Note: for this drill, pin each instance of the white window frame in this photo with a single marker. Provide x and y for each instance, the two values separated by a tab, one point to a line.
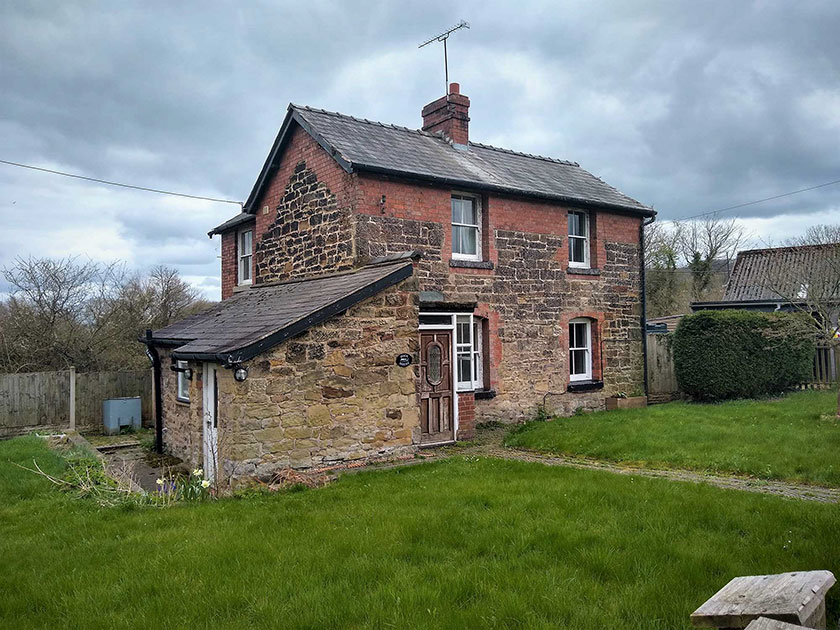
477	226
576	263
478	354
182	393
240	257
586	376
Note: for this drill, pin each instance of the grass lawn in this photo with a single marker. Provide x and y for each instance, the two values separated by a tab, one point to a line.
458	543
772	439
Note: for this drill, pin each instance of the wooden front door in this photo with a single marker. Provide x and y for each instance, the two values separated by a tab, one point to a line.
436	421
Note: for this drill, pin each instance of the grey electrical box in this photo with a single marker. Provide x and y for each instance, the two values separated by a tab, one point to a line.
121	412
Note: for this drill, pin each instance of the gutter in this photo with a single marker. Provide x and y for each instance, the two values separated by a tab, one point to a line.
154	357
644	298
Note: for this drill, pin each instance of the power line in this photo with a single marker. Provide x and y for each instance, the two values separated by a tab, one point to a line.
105	181
752	203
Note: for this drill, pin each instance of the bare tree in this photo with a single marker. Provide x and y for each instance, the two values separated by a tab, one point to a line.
662	282
703	243
90	315
806	275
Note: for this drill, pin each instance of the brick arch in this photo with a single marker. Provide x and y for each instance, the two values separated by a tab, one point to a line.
597	328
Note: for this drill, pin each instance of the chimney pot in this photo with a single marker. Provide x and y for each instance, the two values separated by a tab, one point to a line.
450	115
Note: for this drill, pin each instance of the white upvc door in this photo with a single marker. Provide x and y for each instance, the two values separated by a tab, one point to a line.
211	421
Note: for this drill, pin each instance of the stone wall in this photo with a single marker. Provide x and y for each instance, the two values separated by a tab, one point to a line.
310	234
182	435
330	395
526	290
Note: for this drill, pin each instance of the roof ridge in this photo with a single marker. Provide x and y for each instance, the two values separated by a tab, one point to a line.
375	123
523	154
786	248
429	134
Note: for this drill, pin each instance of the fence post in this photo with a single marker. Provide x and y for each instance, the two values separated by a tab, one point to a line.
72	398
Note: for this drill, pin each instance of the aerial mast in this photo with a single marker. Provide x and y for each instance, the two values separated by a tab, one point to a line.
442	38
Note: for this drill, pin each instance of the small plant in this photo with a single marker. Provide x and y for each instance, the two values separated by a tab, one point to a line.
620	395
174	488
542	414
579	411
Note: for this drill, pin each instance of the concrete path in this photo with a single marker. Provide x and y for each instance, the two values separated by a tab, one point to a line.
488	443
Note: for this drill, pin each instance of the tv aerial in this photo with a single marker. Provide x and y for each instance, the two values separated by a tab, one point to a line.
442	38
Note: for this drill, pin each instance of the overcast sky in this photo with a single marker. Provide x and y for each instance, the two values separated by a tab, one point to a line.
686	106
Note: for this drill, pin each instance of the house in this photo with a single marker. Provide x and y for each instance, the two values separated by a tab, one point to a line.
387	288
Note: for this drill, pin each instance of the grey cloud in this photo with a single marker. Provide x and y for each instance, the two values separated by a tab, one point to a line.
689	106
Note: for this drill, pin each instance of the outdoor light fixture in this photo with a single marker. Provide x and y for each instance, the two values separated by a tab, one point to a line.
186	371
240	374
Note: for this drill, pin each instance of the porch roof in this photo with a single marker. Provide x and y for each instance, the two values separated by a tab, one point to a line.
263	316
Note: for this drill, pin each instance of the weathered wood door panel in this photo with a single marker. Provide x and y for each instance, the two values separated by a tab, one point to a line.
436	395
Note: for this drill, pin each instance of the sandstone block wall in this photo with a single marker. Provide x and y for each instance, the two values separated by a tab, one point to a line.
528	295
182	430
330	395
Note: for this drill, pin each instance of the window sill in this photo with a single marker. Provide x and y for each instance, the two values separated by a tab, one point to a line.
183	401
471	264
584	271
485	394
584	386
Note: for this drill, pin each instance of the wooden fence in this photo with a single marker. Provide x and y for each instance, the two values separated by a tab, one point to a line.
662	378
55	401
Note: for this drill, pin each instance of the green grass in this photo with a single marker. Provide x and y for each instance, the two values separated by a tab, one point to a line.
794	438
457	543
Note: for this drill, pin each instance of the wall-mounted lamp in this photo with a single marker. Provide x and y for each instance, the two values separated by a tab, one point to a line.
240	374
186	371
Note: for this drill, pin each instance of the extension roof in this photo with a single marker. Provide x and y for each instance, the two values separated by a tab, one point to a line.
360	145
263	316
780	272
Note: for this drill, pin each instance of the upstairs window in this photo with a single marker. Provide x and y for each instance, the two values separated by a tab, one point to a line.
245	253
183	393
466	227
578	238
580	350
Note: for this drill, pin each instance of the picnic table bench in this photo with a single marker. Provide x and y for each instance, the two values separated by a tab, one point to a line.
796	598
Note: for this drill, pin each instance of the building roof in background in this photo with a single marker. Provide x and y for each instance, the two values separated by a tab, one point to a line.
263	316
364	145
783	272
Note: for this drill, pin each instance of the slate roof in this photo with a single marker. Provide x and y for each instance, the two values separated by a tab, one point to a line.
780	272
364	145
260	317
239	219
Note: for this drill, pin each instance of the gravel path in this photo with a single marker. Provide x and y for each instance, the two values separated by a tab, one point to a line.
488	443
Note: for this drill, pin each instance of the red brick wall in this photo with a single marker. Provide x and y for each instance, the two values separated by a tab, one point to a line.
229	276
466	416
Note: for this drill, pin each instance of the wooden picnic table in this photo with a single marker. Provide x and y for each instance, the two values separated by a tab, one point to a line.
796	598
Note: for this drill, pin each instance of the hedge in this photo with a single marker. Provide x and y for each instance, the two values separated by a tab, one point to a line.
742	354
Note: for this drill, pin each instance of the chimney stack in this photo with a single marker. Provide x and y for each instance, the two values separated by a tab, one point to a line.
449	114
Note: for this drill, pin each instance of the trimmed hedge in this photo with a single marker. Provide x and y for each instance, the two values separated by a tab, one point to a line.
742	354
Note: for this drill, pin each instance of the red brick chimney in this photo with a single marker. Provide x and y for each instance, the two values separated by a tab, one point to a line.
449	114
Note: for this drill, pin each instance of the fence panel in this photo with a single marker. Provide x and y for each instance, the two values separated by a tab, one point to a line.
662	377
41	400
94	387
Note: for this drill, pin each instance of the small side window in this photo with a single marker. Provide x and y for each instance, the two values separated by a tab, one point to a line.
183	393
245	248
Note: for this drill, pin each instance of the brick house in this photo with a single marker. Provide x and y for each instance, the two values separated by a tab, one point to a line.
505	280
